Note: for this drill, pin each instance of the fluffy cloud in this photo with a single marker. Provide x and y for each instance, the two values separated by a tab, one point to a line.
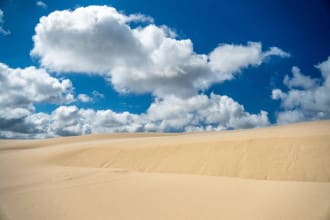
84	98
20	89
136	58
307	98
299	80
197	113
201	112
228	59
2	30
70	120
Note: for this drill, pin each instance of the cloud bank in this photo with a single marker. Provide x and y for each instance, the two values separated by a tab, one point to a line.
135	56
172	114
20	89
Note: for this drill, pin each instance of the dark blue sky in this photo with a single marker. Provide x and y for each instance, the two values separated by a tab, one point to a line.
301	28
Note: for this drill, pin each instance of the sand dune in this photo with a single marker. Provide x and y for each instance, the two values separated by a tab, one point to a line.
281	172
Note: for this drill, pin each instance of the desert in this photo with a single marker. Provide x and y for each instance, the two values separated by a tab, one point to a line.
279	172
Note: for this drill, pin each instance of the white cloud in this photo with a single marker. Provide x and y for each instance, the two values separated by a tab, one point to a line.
66	120
324	68
84	98
41	4
278	94
275	51
299	80
2	30
201	112
170	114
69	120
228	59
307	98
290	116
143	58
20	89
138	58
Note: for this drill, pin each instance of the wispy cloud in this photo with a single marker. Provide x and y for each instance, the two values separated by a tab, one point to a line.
41	4
2	30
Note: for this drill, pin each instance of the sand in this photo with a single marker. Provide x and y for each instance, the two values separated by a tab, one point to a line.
274	173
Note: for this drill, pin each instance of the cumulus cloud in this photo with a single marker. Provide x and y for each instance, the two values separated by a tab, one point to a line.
197	113
136	58
228	59
201	112
20	89
70	120
41	4
299	80
2	30
33	125
290	116
84	98
306	98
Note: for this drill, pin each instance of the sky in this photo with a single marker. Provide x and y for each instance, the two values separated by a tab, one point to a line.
80	67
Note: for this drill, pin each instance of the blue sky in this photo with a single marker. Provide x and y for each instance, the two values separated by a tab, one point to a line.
299	30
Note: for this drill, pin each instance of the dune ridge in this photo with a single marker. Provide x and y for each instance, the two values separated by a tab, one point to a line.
251	155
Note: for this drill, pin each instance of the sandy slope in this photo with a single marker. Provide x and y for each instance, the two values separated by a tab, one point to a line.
284	174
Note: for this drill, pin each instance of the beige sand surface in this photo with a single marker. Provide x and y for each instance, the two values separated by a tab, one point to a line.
274	173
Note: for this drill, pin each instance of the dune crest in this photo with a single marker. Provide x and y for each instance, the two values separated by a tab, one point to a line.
300	153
